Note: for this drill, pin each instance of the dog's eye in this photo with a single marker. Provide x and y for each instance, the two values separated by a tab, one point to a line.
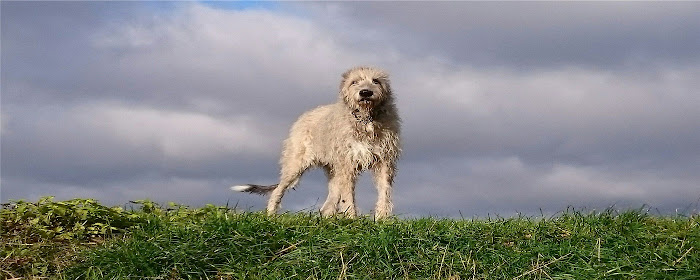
375	81
353	83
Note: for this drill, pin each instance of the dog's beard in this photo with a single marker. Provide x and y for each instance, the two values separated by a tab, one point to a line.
363	114
364	117
366	105
363	108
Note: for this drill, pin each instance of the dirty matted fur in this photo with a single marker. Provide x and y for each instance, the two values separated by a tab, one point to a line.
359	132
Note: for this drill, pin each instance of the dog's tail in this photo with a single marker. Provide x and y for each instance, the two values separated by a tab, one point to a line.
256	189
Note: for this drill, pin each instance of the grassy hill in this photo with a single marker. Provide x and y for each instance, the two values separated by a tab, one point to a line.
85	240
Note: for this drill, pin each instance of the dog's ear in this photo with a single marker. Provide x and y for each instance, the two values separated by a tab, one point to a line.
387	85
383	77
345	78
346	74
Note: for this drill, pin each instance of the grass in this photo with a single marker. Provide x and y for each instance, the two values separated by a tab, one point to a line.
220	243
43	238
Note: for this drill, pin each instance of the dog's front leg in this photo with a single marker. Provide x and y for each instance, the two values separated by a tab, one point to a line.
330	207
341	193
383	179
347	200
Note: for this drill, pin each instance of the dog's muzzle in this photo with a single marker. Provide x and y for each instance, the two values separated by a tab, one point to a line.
365	93
366	97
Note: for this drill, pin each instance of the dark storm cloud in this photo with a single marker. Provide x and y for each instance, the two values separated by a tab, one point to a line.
534	34
507	107
47	45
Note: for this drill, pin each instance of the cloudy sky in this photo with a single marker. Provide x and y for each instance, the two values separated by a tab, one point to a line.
507	107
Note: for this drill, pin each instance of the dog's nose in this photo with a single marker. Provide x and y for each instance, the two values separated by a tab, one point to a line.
366	93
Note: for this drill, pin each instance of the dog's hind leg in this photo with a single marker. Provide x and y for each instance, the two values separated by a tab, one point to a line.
287	181
292	169
273	204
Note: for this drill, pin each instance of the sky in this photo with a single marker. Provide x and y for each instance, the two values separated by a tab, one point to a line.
508	108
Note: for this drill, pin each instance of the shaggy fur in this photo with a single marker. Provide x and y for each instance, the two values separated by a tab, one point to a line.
359	132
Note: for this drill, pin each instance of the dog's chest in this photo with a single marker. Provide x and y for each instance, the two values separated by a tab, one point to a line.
363	153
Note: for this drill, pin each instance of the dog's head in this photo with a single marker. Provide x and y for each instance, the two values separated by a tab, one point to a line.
365	88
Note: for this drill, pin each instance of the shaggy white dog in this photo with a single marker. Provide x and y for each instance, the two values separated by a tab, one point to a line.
357	133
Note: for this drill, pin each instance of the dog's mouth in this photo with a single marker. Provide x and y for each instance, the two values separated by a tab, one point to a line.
365	102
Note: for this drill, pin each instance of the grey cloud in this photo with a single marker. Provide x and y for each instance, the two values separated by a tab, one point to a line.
508	186
82	146
570	115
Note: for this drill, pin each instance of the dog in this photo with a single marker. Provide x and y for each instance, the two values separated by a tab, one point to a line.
361	131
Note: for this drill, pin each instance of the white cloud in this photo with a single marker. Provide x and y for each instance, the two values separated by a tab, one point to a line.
180	135
225	45
577	181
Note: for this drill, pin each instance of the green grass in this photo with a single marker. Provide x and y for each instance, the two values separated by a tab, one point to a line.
43	238
219	243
